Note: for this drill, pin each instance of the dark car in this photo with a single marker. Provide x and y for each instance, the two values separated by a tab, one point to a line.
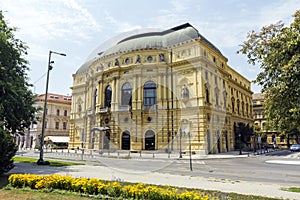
295	147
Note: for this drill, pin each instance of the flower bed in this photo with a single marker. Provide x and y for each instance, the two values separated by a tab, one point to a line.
95	186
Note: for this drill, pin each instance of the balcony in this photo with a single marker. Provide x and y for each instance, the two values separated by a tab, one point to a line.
153	107
124	108
104	110
90	112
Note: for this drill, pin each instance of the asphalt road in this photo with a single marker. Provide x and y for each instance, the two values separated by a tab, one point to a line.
253	168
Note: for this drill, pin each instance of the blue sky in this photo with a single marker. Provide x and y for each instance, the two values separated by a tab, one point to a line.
77	27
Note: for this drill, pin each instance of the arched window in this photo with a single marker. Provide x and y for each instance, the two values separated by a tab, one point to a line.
238	106
149	93
264	126
217	96
243	108
224	99
95	98
206	94
126	94
107	97
57	112
232	104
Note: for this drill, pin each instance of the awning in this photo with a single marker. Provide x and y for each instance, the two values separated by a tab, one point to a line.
57	139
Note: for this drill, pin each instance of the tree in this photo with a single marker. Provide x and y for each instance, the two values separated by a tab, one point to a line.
276	48
16	98
7	150
242	133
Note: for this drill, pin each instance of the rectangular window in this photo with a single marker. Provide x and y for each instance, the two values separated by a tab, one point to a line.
66	113
45	124
57	112
65	125
56	125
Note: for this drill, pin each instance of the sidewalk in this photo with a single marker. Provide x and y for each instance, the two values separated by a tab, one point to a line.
106	173
78	155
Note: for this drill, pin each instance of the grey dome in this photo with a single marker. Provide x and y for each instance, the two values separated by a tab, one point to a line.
150	40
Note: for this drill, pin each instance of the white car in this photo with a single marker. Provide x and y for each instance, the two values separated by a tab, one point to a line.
295	147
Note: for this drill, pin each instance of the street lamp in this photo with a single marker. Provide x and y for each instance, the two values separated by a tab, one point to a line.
191	166
240	144
180	138
41	159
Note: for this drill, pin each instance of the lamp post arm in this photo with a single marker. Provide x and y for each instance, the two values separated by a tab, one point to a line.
49	68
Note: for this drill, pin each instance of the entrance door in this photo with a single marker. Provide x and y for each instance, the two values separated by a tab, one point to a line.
125	141
149	140
208	141
106	140
226	138
219	145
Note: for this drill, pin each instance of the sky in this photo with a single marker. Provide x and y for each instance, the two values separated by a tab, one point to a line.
78	27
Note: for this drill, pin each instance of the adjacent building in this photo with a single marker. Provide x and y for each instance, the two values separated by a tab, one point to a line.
166	90
57	122
269	136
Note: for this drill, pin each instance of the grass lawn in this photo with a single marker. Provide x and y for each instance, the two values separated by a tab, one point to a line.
13	194
27	194
292	189
54	163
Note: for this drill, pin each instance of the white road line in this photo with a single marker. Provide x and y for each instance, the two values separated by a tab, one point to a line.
284	162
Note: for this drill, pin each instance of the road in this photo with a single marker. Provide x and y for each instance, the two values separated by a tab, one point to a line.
253	168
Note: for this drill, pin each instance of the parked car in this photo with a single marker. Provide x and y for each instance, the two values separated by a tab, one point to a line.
295	147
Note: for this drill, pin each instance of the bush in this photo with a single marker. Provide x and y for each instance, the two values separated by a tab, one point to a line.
7	150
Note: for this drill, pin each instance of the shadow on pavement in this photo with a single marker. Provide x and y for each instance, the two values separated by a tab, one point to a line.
3	181
32	168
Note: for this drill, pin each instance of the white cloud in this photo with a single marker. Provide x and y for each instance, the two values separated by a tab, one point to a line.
178	6
173	16
279	11
48	20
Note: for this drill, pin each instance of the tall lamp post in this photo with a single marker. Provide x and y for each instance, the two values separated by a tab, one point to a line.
41	159
180	138
240	143
191	166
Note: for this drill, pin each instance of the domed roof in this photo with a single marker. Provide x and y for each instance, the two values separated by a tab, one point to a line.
150	40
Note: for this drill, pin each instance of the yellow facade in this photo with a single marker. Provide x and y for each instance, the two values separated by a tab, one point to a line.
152	91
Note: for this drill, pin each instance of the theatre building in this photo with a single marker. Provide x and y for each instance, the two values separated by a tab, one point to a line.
163	90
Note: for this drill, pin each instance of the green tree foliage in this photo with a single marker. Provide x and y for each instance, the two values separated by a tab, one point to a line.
16	99
276	48
7	150
242	132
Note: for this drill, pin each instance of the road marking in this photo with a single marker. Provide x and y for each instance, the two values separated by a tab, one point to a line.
284	162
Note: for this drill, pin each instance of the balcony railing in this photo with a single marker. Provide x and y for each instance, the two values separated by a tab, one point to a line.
104	110
150	107
90	112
